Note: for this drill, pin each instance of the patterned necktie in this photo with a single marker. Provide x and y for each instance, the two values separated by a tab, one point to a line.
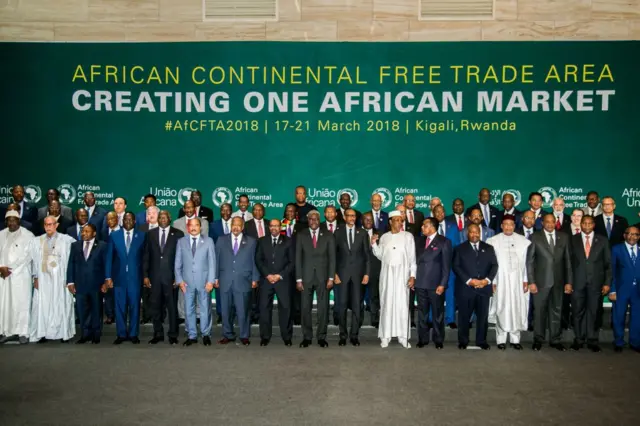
410	216
558	223
551	244
87	245
528	234
128	242
226	228
163	240
331	228
587	246
314	239
288	230
350	238
633	256
377	217
608	227
426	244
487	218
475	248
193	246
460	226
441	229
260	231
235	246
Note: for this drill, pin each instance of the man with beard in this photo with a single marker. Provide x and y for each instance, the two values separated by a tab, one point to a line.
190	213
593	204
345	203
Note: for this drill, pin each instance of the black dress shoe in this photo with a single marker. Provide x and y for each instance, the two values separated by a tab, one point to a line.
64	340
296	321
485	346
536	347
429	324
375	324
462	346
156	340
530	328
617	349
336	320
287	342
245	342
594	348
421	345
190	342
108	321
135	340
264	342
635	348
502	347
323	343
95	341
225	341
558	346
342	342
452	325
439	346
173	340
43	340
206	340
82	341
516	346
355	342
219	319
305	343
119	340
413	324
576	346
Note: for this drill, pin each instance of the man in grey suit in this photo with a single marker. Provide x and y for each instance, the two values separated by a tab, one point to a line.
65	211
315	271
550	275
594	208
237	274
190	213
195	269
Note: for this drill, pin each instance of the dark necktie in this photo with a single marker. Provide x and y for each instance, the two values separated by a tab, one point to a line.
350	238
128	242
163	240
275	241
608	227
551	243
475	248
528	234
87	246
193	246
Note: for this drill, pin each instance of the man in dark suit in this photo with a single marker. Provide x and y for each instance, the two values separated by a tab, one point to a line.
275	260
124	275
609	224
380	217
54	210
202	212
220	227
535	205
158	271
54	195
86	279
352	274
141	217
475	265
28	212
151	219
375	265
508	203
591	263
433	257
25	224
96	213
345	203
315	271
458	217
625	289
412	228
412	216
489	212
75	230
550	276
236	274
593	207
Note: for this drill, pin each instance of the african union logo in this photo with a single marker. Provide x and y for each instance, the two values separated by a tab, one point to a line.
32	193
221	195
386	196
548	195
184	195
517	197
67	193
352	193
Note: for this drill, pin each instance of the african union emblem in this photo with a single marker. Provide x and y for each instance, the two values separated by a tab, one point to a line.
67	193
221	195
352	193
517	197
32	193
184	195
548	195
386	196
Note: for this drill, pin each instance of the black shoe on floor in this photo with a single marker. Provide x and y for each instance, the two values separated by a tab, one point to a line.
558	346
617	349
429	325
575	346
245	342
439	346
287	342
485	346
206	340
82	340
516	346
64	340
95	341
594	348
190	342
156	340
375	324
355	342
119	340
502	347
421	344
135	340
452	325
305	343
173	340
323	343
264	342
43	340
461	346
342	342
536	347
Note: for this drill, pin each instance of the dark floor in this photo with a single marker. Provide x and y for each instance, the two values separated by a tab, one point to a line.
110	385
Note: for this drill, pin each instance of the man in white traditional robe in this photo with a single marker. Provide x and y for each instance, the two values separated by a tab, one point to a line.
396	251
15	280
510	297
52	313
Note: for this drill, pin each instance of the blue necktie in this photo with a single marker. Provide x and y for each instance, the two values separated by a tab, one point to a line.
128	241
608	227
193	247
633	256
226	228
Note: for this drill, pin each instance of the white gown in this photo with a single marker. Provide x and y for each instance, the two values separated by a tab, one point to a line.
398	256
510	301
15	290
52	313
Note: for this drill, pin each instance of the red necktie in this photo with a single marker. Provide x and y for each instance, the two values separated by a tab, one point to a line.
577	231
410	216
558	224
587	246
260	231
460	226
315	240
330	228
428	242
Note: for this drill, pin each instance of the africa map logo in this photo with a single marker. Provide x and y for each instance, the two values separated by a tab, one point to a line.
32	193
352	193
184	195
67	193
548	195
222	195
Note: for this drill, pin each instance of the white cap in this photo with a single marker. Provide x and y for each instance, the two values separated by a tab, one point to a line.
395	213
12	213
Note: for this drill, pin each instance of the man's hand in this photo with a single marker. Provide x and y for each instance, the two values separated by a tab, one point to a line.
272	278
336	279
35	283
525	286
72	288
440	290
216	284
568	289
299	286
5	271
183	287
605	289
147	283
533	288
254	284
365	280
494	288
103	288
612	297
329	284
208	287
109	282
374	239
411	283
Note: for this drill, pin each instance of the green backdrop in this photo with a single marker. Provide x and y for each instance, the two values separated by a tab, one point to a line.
561	117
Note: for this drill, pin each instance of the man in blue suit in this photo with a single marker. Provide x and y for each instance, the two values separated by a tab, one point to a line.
218	228
75	230
96	213
141	217
625	289
85	279
535	205
195	270
124	275
450	231
237	274
380	218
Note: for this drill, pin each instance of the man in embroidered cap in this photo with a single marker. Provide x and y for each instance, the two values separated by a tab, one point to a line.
510	290
396	250
15	280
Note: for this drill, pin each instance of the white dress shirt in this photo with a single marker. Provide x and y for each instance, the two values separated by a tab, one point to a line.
333	227
536	213
559	217
153	226
228	222
247	215
584	239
